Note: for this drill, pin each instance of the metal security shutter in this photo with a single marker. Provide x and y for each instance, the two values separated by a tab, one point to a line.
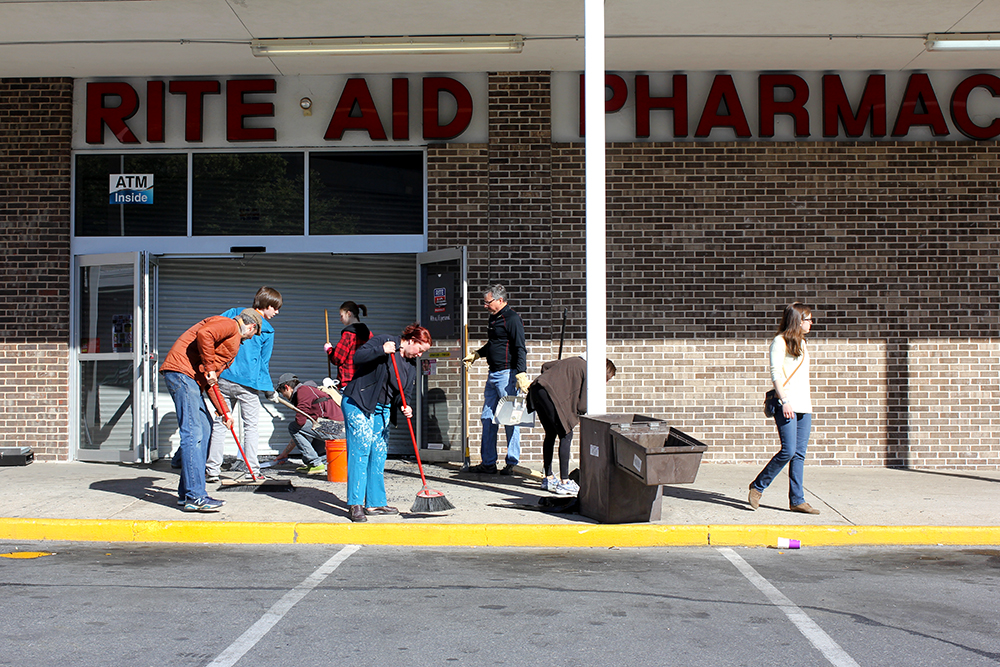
191	289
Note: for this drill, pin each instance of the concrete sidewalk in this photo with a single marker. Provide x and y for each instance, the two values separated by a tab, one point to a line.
111	502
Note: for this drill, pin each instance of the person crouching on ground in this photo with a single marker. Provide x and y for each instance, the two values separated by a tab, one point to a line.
192	366
306	442
367	405
559	396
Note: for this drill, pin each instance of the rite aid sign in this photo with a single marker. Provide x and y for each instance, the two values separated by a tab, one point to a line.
382	110
374	110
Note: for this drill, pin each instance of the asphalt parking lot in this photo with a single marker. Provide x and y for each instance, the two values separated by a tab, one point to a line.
166	604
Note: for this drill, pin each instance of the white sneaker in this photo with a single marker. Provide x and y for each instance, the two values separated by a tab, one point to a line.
567	488
550	483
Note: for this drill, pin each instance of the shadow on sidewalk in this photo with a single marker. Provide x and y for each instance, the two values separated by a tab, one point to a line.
705	497
141	488
959	475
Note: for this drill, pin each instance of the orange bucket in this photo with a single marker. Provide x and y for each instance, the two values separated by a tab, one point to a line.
336	460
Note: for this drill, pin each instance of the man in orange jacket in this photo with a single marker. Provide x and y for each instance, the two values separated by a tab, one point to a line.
192	366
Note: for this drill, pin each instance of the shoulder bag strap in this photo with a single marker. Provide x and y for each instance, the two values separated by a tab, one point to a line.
796	369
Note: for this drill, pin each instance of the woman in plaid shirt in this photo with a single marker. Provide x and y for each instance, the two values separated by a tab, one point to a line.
354	335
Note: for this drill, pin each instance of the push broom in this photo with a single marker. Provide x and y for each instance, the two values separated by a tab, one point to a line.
427	500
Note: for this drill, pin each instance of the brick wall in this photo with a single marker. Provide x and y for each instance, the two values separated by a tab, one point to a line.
35	129
894	244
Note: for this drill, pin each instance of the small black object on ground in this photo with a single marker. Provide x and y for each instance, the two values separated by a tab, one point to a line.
262	486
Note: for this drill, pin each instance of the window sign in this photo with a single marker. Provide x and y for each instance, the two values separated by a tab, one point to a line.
130	188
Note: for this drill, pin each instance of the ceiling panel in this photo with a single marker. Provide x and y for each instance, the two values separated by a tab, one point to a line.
210	37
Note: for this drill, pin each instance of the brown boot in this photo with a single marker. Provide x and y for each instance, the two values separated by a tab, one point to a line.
754	497
357	513
805	508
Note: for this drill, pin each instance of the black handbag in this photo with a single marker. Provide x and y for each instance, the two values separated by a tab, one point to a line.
771	404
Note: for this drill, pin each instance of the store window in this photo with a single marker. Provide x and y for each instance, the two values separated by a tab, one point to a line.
251	194
164	211
240	194
366	193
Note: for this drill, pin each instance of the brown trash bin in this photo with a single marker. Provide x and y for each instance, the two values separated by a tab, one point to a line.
624	460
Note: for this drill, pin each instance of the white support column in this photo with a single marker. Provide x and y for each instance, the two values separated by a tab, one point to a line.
596	206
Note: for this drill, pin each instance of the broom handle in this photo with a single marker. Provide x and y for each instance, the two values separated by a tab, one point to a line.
308	416
413	436
562	332
225	416
329	366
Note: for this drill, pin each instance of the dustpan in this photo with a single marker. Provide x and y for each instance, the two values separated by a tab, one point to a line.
513	411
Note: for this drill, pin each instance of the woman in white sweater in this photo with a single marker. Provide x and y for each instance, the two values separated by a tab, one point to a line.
789	362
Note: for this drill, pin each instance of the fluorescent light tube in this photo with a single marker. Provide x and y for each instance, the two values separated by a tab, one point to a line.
346	46
968	41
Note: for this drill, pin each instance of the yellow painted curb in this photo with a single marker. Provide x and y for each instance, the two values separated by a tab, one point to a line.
837	536
488	535
81	530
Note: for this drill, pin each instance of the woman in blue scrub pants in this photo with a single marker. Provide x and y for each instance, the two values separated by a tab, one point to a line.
367	405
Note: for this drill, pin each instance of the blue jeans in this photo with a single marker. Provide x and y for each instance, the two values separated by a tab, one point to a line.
367	450
306	441
794	435
195	425
498	385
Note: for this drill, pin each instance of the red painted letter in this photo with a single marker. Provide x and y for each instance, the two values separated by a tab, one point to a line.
919	92
195	92
723	92
154	111
355	93
677	103
401	109
114	117
237	110
960	111
796	107
837	108
619	93
433	87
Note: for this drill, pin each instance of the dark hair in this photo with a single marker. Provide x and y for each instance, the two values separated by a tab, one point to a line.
791	327
291	384
267	296
611	368
417	333
354	308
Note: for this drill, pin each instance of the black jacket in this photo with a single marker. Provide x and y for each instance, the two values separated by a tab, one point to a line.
505	345
374	378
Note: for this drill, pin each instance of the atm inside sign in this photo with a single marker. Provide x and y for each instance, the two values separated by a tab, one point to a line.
130	188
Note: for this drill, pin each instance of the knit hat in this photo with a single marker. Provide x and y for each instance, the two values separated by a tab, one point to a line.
251	315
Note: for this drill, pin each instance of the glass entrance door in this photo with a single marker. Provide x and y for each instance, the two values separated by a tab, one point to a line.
442	298
115	365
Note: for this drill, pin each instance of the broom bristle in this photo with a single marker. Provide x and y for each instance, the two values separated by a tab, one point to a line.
429	500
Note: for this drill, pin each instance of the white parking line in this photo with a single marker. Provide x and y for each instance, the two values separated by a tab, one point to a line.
830	649
249	639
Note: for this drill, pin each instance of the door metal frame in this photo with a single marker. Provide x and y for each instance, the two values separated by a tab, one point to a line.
142	357
443	255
